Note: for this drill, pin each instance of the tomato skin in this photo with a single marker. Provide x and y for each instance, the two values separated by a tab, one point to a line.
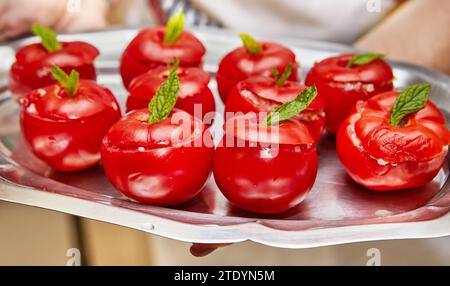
266	95
32	69
239	65
254	179
147	51
386	158
249	181
151	172
194	90
62	134
342	87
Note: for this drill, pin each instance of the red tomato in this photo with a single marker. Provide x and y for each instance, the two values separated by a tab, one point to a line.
147	51
342	87
194	90
240	64
165	163
265	169
32	69
262	94
382	157
66	131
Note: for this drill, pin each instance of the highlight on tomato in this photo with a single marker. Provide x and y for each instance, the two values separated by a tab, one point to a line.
160	155
156	47
253	59
267	164
64	123
264	94
394	140
194	96
345	79
33	65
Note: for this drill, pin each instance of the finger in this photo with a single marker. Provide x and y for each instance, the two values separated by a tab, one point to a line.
201	250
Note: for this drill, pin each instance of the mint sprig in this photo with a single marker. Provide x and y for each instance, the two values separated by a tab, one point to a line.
251	45
174	28
280	80
291	109
363	59
68	82
410	100
48	37
165	98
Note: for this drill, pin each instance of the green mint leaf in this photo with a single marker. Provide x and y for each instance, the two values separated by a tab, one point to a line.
275	74
48	37
363	59
284	76
68	82
410	100
290	109
165	98
174	28
251	45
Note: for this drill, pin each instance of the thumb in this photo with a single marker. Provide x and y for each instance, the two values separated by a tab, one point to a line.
201	250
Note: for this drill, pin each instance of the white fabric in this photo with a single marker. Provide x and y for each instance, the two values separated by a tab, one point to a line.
332	20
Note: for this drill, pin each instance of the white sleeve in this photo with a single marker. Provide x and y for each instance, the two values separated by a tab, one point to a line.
337	21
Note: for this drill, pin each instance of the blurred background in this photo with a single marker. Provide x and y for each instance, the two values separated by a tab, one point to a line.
414	31
31	236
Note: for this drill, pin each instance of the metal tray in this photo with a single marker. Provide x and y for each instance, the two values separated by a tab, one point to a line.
337	211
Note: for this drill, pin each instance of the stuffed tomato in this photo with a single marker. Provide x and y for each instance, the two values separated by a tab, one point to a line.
253	59
264	94
194	96
267	164
160	155
158	46
394	140
343	80
32	68
64	124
